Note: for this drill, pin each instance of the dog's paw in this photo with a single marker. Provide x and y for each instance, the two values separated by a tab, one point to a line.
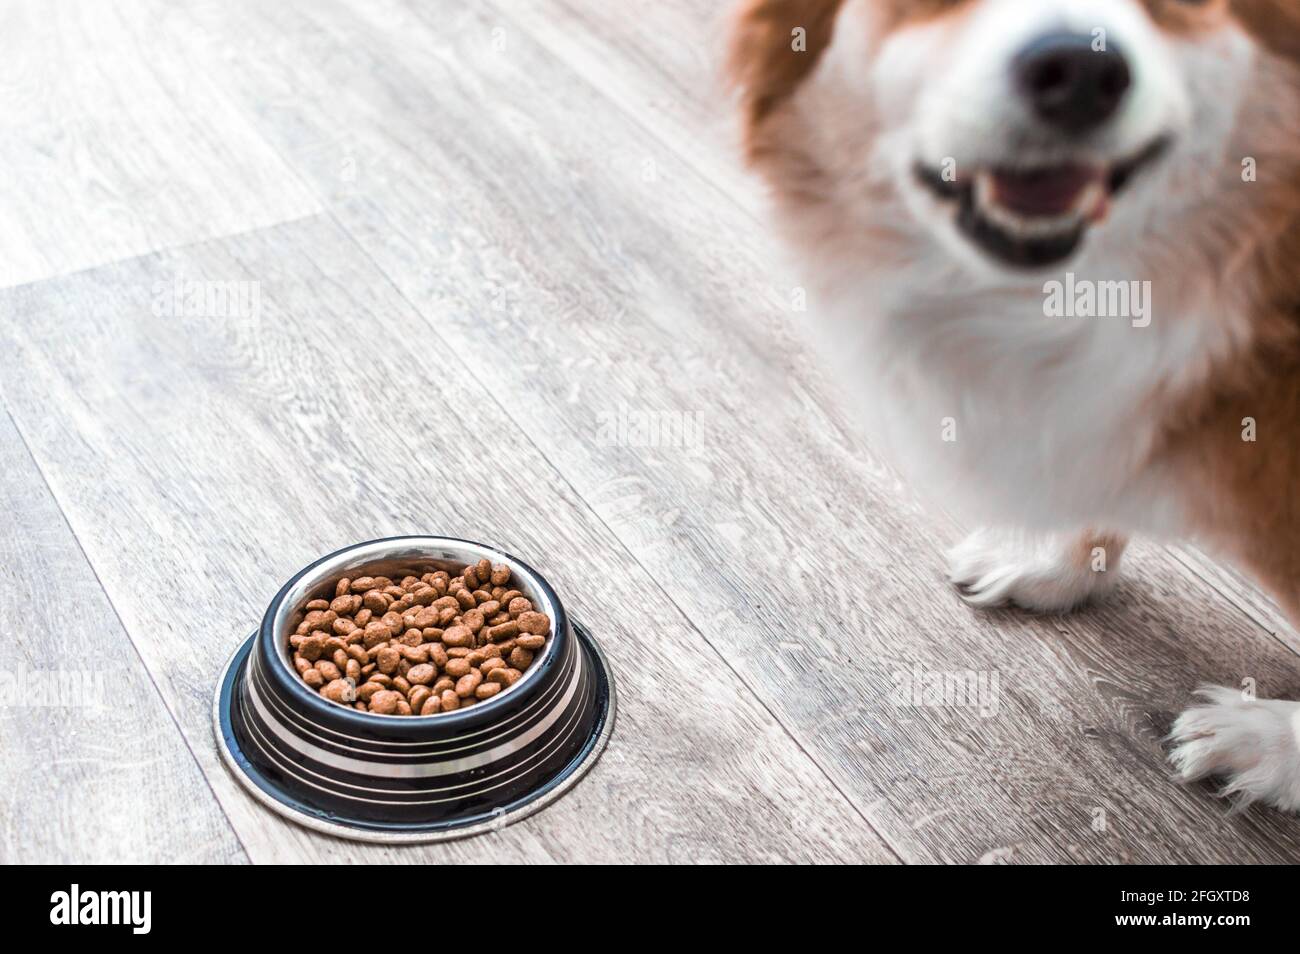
1253	744
1047	574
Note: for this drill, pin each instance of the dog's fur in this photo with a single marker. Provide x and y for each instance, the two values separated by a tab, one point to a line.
1065	435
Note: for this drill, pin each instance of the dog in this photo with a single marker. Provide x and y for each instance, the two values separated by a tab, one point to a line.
1053	248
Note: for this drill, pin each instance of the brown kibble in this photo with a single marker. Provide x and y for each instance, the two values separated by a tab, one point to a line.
458	636
432	643
505	676
417	696
339	690
467	683
376	633
329	672
504	631
388	659
312	648
376	602
537	623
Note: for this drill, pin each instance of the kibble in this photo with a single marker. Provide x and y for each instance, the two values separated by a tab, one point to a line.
427	644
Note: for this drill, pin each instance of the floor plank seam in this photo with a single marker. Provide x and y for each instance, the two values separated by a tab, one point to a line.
40	471
1237	603
160	250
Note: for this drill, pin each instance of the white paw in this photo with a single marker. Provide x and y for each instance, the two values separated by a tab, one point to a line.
1254	744
1046	574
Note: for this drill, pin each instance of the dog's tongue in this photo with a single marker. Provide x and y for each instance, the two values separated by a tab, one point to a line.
1042	192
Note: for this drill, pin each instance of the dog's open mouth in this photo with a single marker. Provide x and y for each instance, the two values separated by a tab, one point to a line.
1037	216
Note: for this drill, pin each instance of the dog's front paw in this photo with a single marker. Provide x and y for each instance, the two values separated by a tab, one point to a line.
1254	744
1047	574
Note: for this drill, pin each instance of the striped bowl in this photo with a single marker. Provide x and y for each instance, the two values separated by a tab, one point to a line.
410	778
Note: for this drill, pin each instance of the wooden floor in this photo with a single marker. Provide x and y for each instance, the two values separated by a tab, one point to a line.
509	225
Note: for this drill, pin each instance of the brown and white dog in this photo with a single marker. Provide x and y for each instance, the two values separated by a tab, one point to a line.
973	189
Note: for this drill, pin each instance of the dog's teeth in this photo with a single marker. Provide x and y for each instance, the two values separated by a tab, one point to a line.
1094	204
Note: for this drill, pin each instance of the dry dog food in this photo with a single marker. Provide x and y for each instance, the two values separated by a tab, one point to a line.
421	645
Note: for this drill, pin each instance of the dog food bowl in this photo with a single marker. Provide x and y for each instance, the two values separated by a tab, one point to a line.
390	779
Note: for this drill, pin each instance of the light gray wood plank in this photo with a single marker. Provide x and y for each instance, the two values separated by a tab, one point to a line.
575	284
663	64
1240	590
94	769
230	450
112	144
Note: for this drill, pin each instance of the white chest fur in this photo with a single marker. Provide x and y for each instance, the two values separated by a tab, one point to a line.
1010	415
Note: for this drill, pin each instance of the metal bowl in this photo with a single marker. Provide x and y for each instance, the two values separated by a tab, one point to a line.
411	778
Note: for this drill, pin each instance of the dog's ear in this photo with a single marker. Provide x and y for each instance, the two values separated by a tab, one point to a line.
774	46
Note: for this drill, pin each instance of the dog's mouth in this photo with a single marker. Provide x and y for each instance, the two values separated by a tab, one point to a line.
1035	216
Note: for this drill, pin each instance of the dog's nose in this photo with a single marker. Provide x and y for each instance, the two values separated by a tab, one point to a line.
1071	85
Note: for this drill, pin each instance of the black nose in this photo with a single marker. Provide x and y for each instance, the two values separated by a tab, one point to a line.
1071	85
